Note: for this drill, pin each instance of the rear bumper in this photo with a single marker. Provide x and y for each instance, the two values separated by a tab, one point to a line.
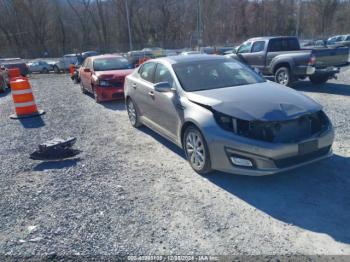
324	71
109	93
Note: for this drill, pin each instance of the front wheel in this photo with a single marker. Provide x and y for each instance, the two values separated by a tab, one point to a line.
133	113
196	150
283	76
97	99
318	80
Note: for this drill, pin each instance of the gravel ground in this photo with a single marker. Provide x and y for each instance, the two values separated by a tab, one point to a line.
131	192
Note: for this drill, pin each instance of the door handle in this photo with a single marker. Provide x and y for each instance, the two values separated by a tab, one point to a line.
151	93
134	85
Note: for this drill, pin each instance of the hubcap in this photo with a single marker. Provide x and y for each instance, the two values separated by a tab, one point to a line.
282	78
195	150
131	112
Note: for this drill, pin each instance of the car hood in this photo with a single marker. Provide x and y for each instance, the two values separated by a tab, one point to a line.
112	74
266	101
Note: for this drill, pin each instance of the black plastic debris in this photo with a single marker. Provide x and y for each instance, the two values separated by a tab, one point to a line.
56	148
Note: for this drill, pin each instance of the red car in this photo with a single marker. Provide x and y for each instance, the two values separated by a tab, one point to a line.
103	76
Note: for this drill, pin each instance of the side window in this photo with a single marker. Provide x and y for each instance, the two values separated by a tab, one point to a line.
293	44
275	45
163	75
245	48
147	71
258	46
88	63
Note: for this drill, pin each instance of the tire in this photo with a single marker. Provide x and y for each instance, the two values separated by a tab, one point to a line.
97	100
45	71
197	151
133	113
82	88
3	86
76	79
283	76
318	80
56	69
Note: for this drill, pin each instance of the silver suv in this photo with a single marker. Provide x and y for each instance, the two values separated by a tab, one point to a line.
226	116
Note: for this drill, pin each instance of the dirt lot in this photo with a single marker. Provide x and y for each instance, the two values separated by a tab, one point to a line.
131	192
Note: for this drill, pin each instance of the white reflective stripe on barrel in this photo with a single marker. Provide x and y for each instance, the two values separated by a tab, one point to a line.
22	92
24	104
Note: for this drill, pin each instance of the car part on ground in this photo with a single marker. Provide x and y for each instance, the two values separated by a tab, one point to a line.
56	148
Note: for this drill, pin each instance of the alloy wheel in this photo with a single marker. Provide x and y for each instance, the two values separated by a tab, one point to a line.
131	112
195	150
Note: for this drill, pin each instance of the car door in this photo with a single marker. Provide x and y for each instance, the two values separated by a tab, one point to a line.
164	109
253	54
144	90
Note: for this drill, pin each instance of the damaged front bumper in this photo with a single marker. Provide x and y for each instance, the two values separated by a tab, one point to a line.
266	158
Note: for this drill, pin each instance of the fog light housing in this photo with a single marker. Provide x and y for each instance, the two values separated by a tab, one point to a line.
240	161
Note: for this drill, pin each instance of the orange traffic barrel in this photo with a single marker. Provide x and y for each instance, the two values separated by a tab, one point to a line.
71	70
23	99
14	72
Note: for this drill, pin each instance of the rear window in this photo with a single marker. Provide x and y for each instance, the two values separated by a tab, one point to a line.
112	63
283	44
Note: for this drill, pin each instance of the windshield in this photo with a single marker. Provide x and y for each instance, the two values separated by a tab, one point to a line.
206	75
112	63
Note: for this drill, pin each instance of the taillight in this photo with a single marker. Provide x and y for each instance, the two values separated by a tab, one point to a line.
312	60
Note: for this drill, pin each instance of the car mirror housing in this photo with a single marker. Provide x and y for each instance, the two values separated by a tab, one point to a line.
162	87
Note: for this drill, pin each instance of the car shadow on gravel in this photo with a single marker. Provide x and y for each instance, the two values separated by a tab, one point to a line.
315	197
114	105
32	122
165	142
329	88
5	93
60	164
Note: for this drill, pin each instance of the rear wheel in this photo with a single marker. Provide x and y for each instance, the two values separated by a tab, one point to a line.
56	69
133	113
283	76
318	80
196	150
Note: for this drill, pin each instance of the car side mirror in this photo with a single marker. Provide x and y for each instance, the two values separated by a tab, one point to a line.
87	70
162	87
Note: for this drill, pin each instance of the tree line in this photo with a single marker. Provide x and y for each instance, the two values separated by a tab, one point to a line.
34	28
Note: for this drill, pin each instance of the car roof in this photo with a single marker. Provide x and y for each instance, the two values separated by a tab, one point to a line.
105	56
189	58
263	38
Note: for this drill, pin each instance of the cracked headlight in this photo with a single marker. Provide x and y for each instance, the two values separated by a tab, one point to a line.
226	122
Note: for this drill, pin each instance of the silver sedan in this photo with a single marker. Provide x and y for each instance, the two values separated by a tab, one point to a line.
227	117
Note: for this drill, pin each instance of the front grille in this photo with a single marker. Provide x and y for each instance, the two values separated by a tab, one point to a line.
118	82
290	131
294	160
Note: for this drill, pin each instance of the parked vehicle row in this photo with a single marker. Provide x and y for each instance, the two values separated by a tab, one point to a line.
9	63
282	58
224	115
339	40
